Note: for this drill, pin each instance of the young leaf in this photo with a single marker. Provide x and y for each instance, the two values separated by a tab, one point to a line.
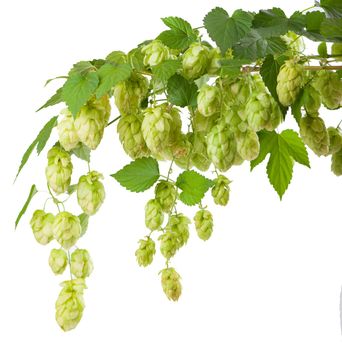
139	175
82	67
53	100
177	23
84	221
175	39
181	92
193	186
81	151
166	69
33	191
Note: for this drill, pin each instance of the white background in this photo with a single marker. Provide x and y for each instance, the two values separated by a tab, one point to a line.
268	279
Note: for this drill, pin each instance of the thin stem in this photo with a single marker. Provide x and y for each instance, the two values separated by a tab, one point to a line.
249	69
114	120
199	27
55	200
338	125
170	170
308	8
69	262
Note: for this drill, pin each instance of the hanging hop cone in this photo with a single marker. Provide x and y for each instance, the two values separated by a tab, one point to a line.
182	151
66	229
154	53
220	190
70	304
154	215
203	124
90	192
248	145
235	119
166	195
289	82
236	92
171	285
199	154
335	140
145	252
58	261
68	137
208	100
81	264
41	224
311	99
195	61
204	224
178	224
214	64
336	163
168	244
59	169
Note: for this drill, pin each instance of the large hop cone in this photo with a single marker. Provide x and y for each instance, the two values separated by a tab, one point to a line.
168	244
195	60
59	169
81	265
166	195
58	261
70	304
90	192
171	285
221	147
68	137
220	190
336	163
263	112
203	124
214	64
66	229
182	150
41	224
204	224
235	118
145	252
311	99
154	53
289	82
335	140
130	93
209	100
91	121
178	224
199	154
154	215
329	85
131	137
314	134
248	145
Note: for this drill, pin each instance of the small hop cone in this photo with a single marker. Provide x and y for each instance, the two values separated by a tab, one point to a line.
154	215
58	261
66	229
214	64
59	169
248	145
220	190
199	154
289	82
178	224
335	140
235	119
166	195
314	134
195	61
70	304
90	192
81	265
145	252
203	124
336	163
41	224
204	224
208	100
182	151
168	244
311	99
154	53
68	137
171	285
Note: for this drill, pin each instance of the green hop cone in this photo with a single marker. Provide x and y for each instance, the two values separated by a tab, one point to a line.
236	92
41	224
311	99
336	50
70	304
154	215
199	154
131	137
220	191
91	121
314	134
58	261
294	42
204	224
203	124
336	163
59	169
145	252
80	264
67	134
214	64
235	118
178	224
335	140
171	285
221	147
195	61
248	145
166	195
155	52
182	150
90	192
289	82
168	244
66	229
208	100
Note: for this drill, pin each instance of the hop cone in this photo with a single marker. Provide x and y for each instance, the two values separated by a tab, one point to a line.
314	134
335	140
204	224
336	163
59	169
145	252
289	82
203	124
168	244
170	281
90	192
221	147
220	190
236	92
214	64
199	154
154	53
41	224
235	119
68	137
58	261
182	151
208	100
154	215
70	304
195	61
131	137
178	224
248	145
66	229
311	99
81	264
294	42
166	195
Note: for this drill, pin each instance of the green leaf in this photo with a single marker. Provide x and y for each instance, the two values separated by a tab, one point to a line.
272	22
297	22
110	75
116	57
332	7
78	89
266	140
296	107
81	151
39	142
33	191
181	92
82	67
139	175
53	100
52	79
225	30
166	69
193	186
332	28
314	20
136	59
232	67
177	23
175	39
84	221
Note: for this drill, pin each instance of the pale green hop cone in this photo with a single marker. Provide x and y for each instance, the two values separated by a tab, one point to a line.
336	163
154	215
199	153
81	264
178	224
171	285
311	99
58	261
41	224
248	145
66	229
203	124
67	134
195	61
235	119
166	195
182	151
168	244
214	64
145	252
154	53
335	140
209	100
204	223
220	191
